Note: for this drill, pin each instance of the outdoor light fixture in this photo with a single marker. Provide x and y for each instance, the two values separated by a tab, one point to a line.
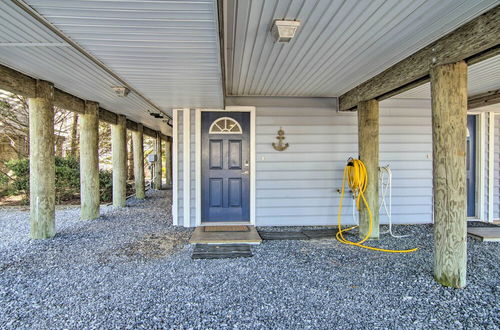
156	115
284	30
121	91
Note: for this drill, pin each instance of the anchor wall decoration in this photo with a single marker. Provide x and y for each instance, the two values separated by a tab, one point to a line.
280	146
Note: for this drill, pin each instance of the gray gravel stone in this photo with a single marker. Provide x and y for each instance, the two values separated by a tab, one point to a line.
132	269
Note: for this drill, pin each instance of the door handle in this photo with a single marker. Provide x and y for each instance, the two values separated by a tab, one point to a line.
245	172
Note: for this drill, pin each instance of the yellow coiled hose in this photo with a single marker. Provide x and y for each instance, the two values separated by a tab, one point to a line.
357	179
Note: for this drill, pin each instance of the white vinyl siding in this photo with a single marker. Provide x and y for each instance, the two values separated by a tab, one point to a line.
299	185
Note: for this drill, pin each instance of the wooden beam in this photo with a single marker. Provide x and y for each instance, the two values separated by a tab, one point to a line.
449	131
16	82
473	41
131	125
108	116
368	137
484	99
149	132
165	137
69	102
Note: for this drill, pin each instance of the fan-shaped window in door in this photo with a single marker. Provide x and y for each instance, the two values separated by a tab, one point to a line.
225	125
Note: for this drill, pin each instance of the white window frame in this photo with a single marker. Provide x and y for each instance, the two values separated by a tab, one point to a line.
225	132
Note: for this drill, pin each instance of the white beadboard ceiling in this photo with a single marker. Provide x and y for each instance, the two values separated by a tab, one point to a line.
483	77
167	50
340	43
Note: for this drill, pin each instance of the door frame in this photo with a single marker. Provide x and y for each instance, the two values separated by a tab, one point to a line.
251	110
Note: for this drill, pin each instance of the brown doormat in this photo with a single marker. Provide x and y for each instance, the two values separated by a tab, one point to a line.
226	228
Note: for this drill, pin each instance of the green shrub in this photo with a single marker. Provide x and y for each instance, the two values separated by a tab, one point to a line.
21	174
67	179
106	185
4	179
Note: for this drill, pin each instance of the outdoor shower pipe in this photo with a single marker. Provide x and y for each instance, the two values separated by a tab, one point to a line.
386	187
357	179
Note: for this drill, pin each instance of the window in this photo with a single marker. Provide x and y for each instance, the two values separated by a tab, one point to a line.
225	125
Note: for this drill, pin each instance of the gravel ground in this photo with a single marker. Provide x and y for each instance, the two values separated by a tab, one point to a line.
132	269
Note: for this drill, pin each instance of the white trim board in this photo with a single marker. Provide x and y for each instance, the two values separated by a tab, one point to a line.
186	166
491	164
252	112
480	164
175	159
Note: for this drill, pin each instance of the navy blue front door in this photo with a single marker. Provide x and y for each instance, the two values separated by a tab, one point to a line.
471	165
225	166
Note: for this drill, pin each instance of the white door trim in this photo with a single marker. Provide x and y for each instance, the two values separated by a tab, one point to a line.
175	159
480	164
186	146
491	164
251	110
480	185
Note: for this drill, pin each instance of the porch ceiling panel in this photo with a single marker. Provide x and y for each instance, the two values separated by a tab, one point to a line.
339	44
483	77
167	50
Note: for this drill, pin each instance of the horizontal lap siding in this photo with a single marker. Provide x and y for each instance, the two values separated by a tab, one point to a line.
408	152
299	185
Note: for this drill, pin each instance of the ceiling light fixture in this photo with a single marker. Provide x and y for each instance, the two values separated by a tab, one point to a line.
284	30
121	91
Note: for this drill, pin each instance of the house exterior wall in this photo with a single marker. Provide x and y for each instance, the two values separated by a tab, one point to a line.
299	185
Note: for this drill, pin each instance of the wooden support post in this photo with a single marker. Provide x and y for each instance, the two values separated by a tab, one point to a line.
89	162
158	163
119	146
368	141
138	148
42	166
449	128
168	162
